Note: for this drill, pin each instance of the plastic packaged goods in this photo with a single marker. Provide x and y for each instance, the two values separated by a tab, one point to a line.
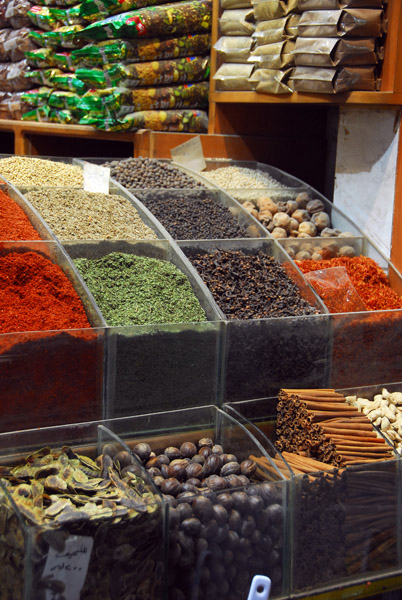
40	58
338	4
229	4
165	20
46	114
265	10
65	36
48	18
122	101
65	61
274	56
3	9
14	43
56	78
234	48
351	22
189	121
12	76
17	13
331	52
37	96
333	81
12	105
188	69
111	51
63	99
271	81
237	22
276	30
95	10
233	76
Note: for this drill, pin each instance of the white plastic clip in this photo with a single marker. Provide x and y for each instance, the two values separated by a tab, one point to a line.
259	588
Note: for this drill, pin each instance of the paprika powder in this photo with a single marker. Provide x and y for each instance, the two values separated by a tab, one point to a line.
14	223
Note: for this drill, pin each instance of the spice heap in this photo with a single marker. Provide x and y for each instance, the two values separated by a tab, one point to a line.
193	216
367	277
250	285
63	494
220	534
25	171
322	425
14	223
80	215
385	412
137	290
237	178
36	295
149	173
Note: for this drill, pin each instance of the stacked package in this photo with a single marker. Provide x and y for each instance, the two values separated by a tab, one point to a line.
147	68
338	46
236	27
14	41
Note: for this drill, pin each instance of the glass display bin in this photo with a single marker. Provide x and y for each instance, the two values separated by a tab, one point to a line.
160	200
223	528
159	366
363	342
263	354
79	517
344	523
52	377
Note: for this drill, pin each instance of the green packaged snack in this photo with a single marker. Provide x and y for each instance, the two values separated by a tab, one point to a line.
63	99
42	76
94	10
191	121
57	2
111	51
164	20
48	18
40	58
190	68
68	82
108	100
49	115
37	96
65	61
65	36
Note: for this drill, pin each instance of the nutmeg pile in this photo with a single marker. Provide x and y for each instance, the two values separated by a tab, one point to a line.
222	530
302	217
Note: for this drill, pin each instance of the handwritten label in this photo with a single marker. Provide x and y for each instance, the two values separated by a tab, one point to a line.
190	154
96	178
69	566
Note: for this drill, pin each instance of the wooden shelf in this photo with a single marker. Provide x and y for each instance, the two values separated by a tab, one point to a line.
371	98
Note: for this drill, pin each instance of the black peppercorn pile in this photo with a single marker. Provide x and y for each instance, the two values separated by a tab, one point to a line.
250	286
222	530
149	173
193	216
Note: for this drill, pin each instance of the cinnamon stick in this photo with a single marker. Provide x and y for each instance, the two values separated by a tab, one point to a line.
355	426
330	406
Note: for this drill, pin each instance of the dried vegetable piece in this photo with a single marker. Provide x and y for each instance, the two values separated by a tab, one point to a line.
111	51
63	494
190	121
190	68
165	20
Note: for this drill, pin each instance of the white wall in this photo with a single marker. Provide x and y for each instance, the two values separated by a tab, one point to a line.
365	169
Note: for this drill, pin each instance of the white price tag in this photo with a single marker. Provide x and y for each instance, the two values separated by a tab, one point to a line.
69	566
190	154
96	178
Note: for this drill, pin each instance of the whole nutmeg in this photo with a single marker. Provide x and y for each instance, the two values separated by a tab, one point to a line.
154	472
275	513
301	215
194	470
188	449
185	497
184	511
308	227
158	480
171	500
240	501
302	199
233	480
233	539
134	469
225	500
225	458
164	469
279	233
244	479
109	450
191	526
235	520
157	461
174	517
248	526
205	451
212	465
143	451
197	458
291	206
217	449
205	442
203	508
220	514
315	206
194	481
172	453
201	545
281	219
268	492
321	220
230	468
248	467
209	530
215	483
171	486
124	459
189	487
256	503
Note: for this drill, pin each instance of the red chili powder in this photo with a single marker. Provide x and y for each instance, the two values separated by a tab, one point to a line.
36	295
14	223
368	278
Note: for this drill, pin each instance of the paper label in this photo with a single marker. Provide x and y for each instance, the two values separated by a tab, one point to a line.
190	154
69	566
96	178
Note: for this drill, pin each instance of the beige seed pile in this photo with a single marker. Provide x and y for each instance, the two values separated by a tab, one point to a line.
241	177
26	171
80	215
